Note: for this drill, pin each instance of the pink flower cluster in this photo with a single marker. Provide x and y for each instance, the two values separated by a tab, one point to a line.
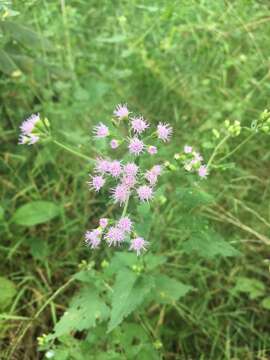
126	178
115	235
193	162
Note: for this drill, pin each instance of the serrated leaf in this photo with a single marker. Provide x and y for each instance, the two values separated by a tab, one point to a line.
84	311
169	289
209	244
7	292
191	198
129	292
36	212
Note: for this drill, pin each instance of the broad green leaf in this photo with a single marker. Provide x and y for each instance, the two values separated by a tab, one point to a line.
7	292
209	244
85	310
191	198
168	290
266	303
129	292
36	212
39	248
7	65
24	35
253	287
2	212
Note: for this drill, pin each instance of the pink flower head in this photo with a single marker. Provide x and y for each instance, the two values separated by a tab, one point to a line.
101	131
135	146
198	156
125	224
139	125
115	168
187	149
96	182
129	180
157	169
28	125
130	169
115	236
103	222
151	177
93	238
114	144
164	131
145	193
120	193
102	166
203	171
138	244
152	150
121	111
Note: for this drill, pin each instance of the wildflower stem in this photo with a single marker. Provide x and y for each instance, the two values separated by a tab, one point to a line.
237	147
216	149
72	151
125	208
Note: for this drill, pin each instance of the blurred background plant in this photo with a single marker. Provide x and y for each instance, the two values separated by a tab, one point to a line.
201	65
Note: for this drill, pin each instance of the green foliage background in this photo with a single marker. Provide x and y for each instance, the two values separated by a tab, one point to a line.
203	289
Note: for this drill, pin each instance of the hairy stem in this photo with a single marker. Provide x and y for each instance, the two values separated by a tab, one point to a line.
72	151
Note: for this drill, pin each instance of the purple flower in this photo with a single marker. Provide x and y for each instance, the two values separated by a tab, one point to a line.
93	238
164	132
130	169
102	166
203	171
135	146
115	236
139	125
125	224
152	150
101	130
145	193
103	222
28	125
187	149
198	156
138	244
114	144
115	168
151	177
129	180
121	111
96	182
120	193
157	169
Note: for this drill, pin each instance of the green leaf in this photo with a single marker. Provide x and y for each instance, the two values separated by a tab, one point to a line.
191	198
254	288
209	244
36	212
168	290
266	303
129	292
7	65
24	35
84	311
7	292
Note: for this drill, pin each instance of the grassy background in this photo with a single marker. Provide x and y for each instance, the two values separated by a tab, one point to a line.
191	63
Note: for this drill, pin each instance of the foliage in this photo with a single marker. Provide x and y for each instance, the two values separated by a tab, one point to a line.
202	289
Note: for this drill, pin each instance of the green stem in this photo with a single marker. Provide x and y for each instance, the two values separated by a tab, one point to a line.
125	208
72	151
237	147
216	149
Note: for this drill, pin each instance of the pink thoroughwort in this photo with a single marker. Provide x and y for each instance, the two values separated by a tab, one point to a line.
126	178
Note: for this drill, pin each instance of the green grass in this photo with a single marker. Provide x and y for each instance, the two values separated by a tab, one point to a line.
191	63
